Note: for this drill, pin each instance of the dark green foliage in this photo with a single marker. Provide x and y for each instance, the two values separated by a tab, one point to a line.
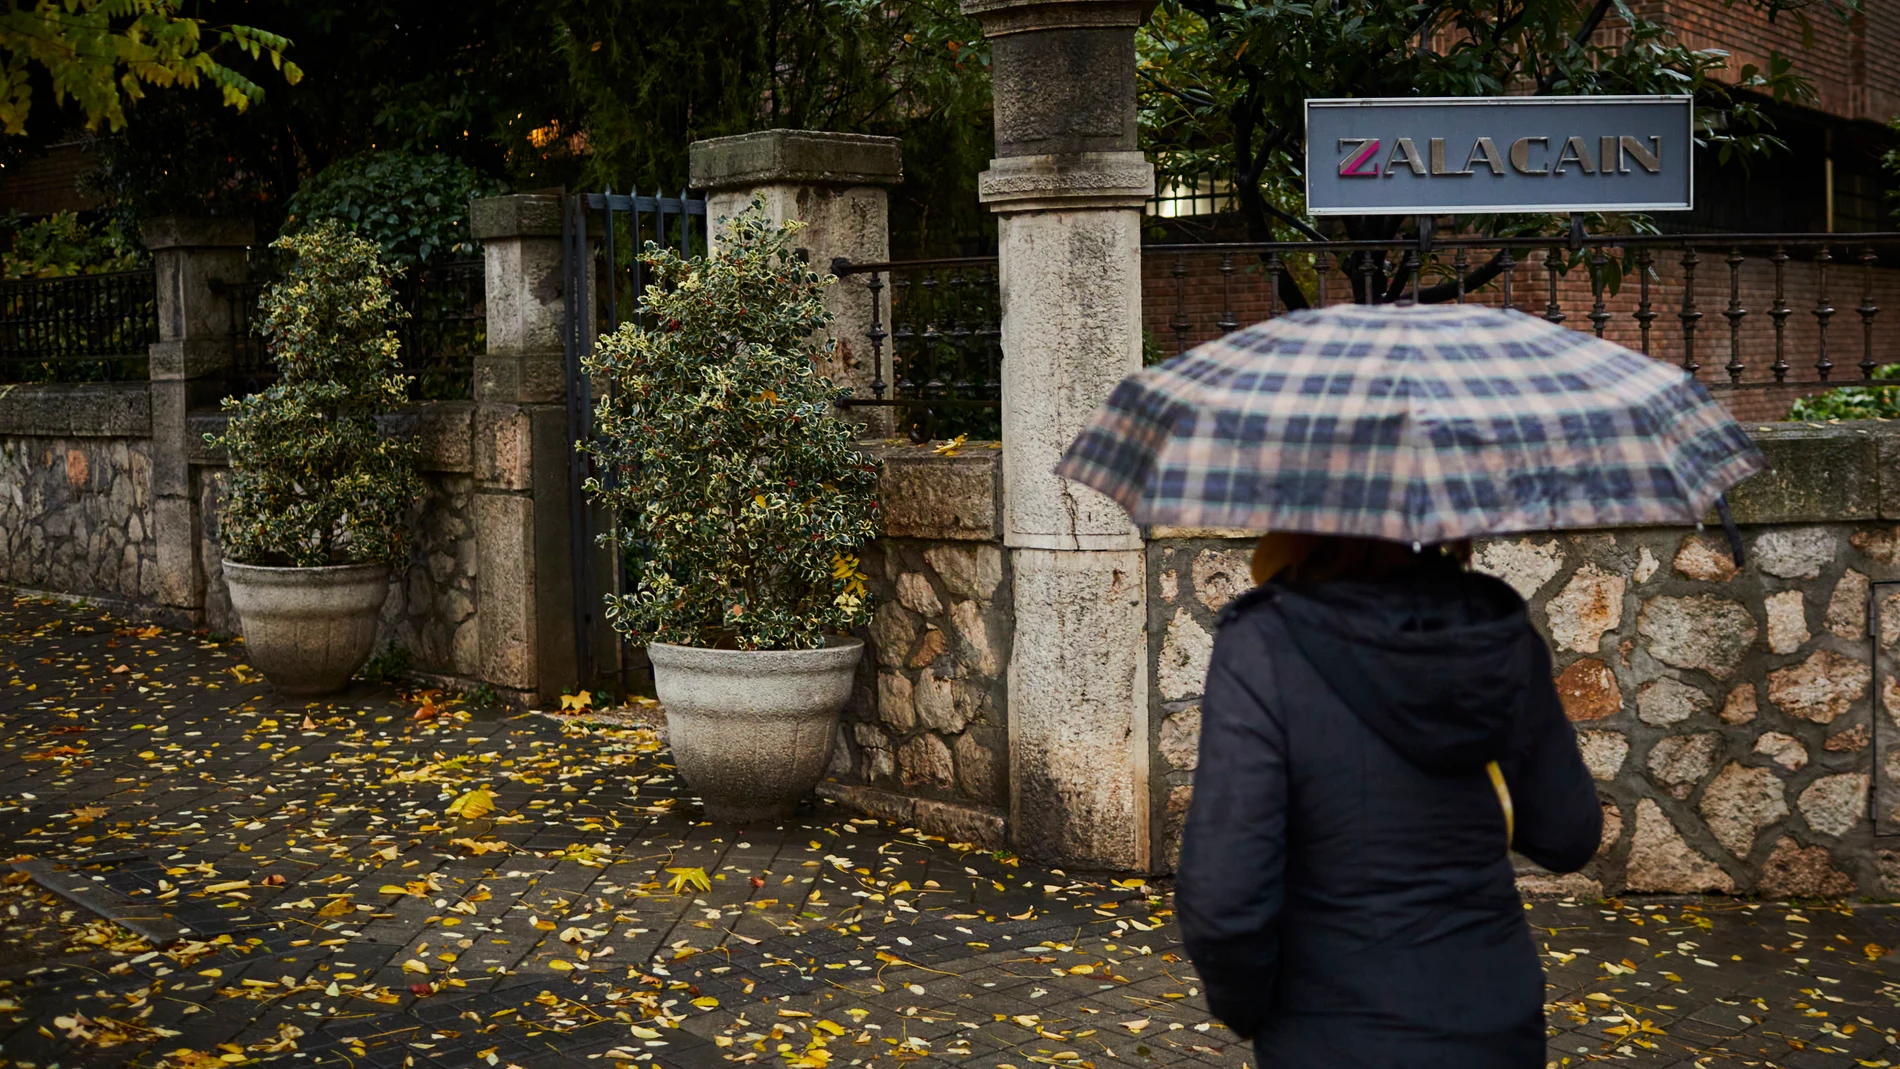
66	243
314	481
388	666
414	206
467	80
1874	400
645	82
737	485
1223	84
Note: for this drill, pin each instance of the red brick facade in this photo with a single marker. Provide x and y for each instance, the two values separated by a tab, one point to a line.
1855	67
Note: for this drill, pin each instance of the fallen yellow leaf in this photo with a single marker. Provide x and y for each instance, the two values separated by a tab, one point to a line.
473	805
479	847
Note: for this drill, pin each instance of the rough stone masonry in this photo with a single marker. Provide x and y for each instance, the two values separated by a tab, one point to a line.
1728	714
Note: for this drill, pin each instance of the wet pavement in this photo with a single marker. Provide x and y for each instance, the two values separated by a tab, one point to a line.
393	878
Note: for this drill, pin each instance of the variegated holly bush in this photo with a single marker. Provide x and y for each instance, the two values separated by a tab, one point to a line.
314	480
742	502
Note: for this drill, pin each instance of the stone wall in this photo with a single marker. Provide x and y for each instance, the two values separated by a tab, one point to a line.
1189	580
1729	715
75	490
925	739
76	514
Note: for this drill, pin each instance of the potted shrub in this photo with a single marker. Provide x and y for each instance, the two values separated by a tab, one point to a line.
316	511
742	505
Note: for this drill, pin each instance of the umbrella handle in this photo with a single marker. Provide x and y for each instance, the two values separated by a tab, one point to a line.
1728	528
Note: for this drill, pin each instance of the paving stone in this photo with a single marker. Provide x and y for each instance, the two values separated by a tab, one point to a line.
332	807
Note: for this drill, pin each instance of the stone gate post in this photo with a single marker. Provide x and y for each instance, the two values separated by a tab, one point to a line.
838	186
523	585
1068	184
192	260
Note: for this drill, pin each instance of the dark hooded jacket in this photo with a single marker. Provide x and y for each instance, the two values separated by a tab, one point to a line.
1344	887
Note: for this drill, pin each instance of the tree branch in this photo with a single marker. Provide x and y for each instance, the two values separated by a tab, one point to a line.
1582	37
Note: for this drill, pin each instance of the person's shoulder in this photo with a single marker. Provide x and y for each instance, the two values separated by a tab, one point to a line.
1251	605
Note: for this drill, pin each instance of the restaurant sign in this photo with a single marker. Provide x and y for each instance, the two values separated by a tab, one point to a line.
1465	155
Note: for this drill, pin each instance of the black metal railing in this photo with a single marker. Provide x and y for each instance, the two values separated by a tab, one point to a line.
602	237
80	328
945	343
1773	309
446	329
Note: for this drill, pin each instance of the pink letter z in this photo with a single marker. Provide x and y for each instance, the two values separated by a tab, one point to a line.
1354	165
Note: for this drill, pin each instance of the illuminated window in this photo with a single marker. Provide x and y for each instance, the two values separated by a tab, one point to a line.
1183	198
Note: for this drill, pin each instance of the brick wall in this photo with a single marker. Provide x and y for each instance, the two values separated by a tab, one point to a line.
1855	68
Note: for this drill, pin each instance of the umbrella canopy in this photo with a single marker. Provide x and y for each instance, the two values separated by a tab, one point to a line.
1413	424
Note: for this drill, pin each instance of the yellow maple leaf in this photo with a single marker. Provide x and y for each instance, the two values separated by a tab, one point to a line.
577	702
949	448
336	907
685	877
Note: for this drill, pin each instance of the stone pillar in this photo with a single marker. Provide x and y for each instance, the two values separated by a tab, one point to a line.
524	591
192	259
837	185
1068	185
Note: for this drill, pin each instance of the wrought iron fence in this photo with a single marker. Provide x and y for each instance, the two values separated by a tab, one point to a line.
602	237
1738	310
81	328
945	339
446	329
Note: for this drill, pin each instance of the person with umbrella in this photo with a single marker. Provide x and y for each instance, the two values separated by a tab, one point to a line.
1379	726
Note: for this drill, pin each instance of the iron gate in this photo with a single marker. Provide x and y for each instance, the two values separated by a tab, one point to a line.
604	279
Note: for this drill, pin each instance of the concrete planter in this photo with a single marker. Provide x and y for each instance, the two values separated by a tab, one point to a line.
308	629
751	730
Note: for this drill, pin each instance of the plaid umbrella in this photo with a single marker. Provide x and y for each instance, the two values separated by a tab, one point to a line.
1414	424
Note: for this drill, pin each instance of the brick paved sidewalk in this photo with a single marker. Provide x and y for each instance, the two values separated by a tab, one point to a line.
351	903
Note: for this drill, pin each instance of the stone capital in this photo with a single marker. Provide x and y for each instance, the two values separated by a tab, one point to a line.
1003	17
188	232
519	215
1070	180
795	157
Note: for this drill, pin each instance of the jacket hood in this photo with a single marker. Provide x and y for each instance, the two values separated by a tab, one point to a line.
1436	661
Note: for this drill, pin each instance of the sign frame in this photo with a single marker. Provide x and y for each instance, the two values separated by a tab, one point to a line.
1673	100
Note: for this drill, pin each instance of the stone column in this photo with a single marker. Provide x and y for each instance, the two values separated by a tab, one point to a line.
1068	185
524	591
837	185
192	260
